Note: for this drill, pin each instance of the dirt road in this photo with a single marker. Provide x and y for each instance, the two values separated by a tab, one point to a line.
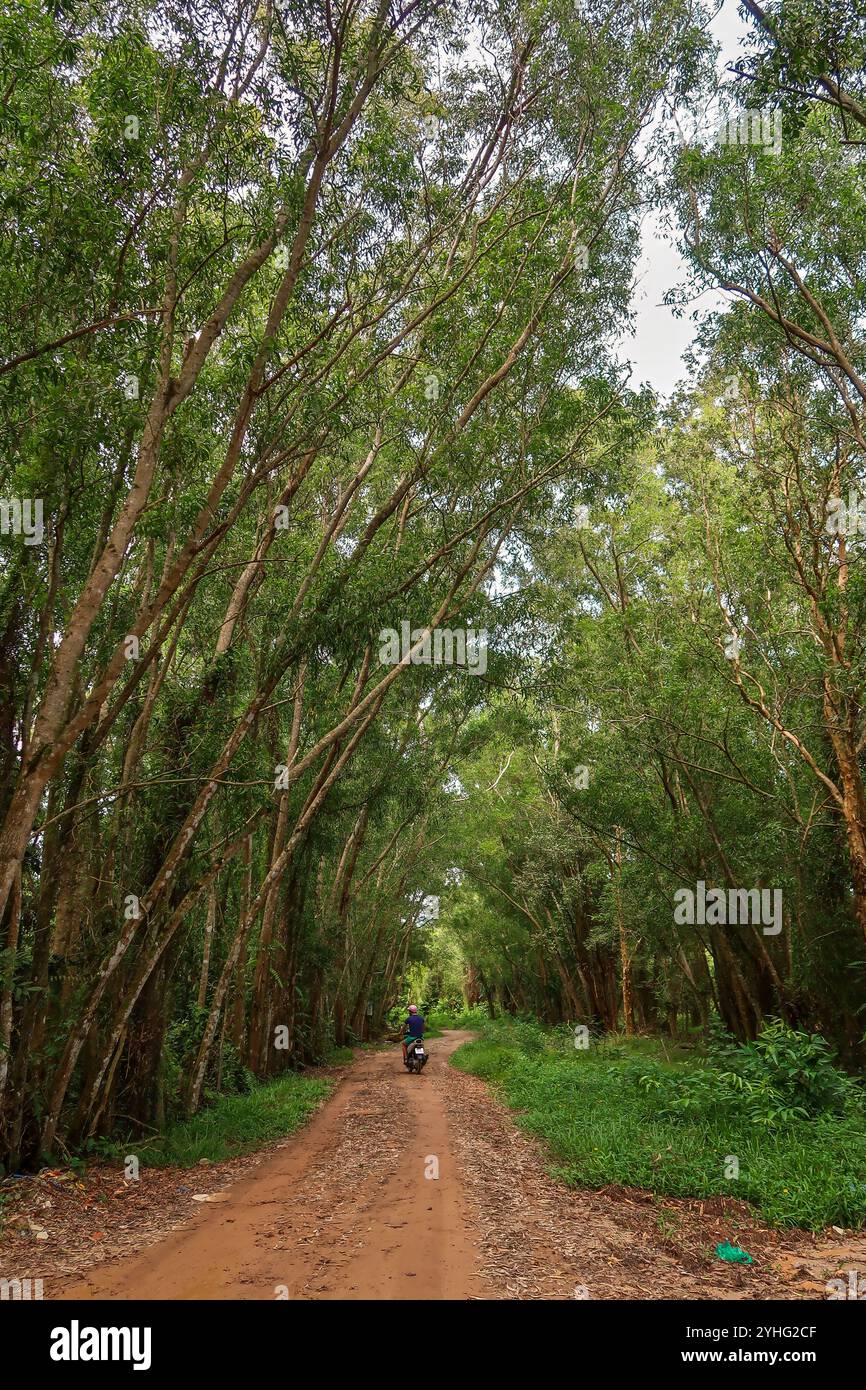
351	1207
344	1211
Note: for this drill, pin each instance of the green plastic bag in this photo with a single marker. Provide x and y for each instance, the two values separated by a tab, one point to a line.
733	1254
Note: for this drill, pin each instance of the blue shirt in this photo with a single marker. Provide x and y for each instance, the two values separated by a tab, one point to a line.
415	1026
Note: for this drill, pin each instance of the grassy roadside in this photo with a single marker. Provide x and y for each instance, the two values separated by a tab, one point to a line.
233	1124
625	1112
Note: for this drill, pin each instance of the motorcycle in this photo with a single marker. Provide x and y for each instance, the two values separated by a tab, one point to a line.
417	1056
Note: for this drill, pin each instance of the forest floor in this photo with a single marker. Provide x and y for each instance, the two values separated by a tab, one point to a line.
348	1208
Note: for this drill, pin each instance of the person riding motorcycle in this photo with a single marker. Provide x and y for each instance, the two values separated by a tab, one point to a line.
413	1028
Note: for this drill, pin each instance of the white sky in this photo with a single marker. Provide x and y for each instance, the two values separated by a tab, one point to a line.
656	347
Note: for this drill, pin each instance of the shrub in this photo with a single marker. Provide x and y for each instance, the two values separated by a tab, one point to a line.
781	1078
799	1068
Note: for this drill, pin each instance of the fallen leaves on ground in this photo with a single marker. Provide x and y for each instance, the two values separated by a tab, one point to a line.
543	1240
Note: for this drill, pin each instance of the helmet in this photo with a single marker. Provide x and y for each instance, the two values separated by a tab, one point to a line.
413	1008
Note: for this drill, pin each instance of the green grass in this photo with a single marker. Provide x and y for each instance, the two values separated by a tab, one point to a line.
338	1056
235	1124
602	1127
470	1019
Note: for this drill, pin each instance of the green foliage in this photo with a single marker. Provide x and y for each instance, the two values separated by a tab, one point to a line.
799	1067
525	1033
241	253
780	1079
468	1019
602	1124
233	1124
446	259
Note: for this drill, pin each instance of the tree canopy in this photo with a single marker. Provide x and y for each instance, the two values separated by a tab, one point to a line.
308	315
